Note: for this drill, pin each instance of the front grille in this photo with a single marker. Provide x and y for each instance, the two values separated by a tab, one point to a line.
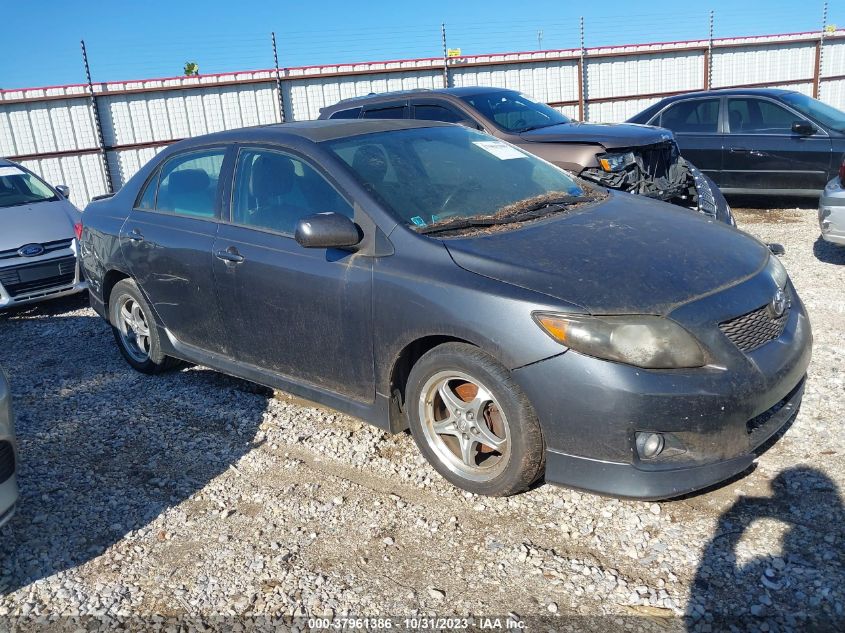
49	247
753	330
7	461
29	278
656	159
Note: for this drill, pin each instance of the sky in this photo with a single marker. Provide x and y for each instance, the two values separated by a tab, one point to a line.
154	38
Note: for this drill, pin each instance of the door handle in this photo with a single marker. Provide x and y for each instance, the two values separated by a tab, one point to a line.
230	255
738	150
136	236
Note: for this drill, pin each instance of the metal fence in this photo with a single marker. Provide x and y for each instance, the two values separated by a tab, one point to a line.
94	136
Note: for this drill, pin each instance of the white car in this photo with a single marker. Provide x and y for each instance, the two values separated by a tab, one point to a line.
832	209
39	233
8	485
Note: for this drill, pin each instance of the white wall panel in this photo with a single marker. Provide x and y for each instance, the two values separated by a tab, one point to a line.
623	76
772	63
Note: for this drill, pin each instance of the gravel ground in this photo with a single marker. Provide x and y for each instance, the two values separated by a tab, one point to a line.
202	495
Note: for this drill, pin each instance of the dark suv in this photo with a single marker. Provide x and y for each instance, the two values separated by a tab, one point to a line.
634	158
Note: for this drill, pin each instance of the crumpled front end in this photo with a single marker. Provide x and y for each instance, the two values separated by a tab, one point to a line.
659	171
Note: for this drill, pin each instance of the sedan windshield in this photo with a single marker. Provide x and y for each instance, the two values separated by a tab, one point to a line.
514	112
18	187
828	116
433	175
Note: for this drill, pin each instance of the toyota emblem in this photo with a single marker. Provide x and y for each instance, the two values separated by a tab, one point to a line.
779	304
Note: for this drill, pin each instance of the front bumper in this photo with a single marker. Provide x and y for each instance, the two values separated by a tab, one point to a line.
832	212
68	280
713	417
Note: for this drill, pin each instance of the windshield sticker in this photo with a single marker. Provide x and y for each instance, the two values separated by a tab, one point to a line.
11	171
435	217
418	220
500	150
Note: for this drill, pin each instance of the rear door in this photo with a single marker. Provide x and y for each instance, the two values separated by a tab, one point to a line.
167	241
303	313
695	123
763	153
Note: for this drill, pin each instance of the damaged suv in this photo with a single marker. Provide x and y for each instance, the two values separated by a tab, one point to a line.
635	158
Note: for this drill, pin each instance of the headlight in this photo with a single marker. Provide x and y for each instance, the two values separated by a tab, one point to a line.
777	271
645	341
616	162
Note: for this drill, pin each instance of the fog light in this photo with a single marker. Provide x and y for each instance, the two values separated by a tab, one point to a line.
649	445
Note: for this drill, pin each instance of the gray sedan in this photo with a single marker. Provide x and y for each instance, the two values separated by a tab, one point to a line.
8	485
832	209
39	229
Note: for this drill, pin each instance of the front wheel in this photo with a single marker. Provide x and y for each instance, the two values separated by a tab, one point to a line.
472	422
135	330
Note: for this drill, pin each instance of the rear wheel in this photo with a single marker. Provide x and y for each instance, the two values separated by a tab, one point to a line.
472	422
135	330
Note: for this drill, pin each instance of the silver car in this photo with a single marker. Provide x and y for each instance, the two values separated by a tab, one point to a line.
39	232
832	209
8	485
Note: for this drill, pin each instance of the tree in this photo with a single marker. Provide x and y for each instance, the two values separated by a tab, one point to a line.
192	69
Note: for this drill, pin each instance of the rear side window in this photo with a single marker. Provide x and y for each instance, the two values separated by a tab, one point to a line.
692	117
351	113
430	112
188	183
395	112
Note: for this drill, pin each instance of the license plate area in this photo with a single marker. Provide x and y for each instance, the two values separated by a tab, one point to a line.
37	273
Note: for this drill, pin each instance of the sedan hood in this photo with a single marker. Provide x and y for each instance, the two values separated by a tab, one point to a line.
626	255
609	135
36	223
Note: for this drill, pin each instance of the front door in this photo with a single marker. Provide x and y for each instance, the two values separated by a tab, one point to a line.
303	313
167	241
763	153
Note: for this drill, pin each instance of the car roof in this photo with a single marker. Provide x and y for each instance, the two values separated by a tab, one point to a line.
316	131
463	91
760	92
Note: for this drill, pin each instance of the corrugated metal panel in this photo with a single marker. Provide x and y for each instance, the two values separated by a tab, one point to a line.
551	82
772	63
32	128
833	92
617	111
83	174
647	74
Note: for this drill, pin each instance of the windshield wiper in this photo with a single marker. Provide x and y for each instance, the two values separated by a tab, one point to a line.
521	214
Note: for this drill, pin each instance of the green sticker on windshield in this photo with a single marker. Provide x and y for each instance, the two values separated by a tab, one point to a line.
418	220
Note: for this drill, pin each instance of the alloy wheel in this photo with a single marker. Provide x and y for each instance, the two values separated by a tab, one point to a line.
134	329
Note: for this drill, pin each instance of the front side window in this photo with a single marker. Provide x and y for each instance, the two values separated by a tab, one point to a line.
700	116
514	112
758	116
428	175
815	109
188	183
274	190
395	112
431	112
18	187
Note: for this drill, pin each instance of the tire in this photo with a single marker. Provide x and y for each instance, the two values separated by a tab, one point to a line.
145	356
450	389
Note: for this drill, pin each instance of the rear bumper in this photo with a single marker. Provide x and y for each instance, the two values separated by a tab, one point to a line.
832	212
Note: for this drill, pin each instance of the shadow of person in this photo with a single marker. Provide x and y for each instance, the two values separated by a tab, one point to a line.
104	450
741	585
828	252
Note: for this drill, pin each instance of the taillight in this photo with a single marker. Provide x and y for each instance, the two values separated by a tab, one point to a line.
77	228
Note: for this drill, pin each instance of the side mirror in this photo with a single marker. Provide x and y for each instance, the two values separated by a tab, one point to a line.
327	230
64	190
803	128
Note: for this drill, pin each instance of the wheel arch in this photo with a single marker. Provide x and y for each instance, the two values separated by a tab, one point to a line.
110	279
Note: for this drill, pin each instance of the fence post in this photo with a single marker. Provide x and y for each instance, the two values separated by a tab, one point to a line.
708	57
582	77
817	70
278	79
445	56
98	125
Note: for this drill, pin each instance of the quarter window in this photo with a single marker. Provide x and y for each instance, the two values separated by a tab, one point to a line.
351	113
188	183
147	200
700	116
274	190
758	116
429	112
